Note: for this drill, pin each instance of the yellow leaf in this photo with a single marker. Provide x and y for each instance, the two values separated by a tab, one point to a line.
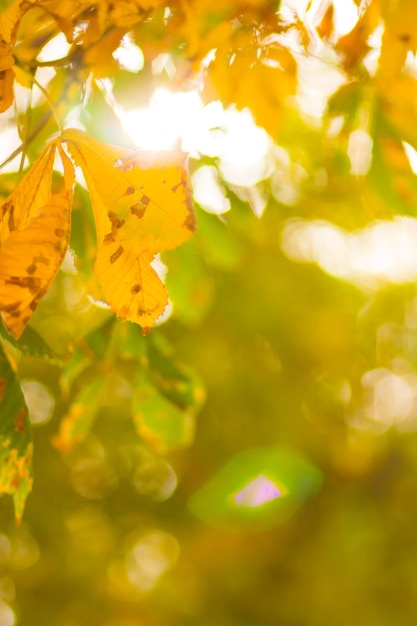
399	35
6	89
34	232
260	76
6	77
99	57
9	15
142	205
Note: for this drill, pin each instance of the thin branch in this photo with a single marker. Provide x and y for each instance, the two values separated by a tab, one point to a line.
49	101
32	136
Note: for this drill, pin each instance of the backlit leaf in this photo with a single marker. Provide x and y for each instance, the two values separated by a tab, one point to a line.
158	421
142	205
254	74
6	77
179	385
76	425
34	232
15	439
9	14
30	343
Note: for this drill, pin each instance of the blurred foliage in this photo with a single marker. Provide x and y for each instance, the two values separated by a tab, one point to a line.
253	460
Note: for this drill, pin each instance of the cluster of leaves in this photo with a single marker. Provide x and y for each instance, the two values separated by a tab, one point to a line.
282	349
35	234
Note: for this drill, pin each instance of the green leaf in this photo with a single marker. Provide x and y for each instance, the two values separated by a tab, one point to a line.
15	439
158	421
346	101
219	246
130	342
176	382
390	173
77	424
189	283
30	343
257	489
83	239
92	347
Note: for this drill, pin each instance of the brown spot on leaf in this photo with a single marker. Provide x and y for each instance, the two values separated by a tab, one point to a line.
5	207
3	385
15	482
25	282
9	308
19	422
129	191
109	238
60	232
405	37
135	289
11	223
116	254
137	210
40	258
189	222
115	221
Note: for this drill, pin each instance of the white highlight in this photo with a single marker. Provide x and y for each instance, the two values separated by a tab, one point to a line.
382	253
257	492
129	55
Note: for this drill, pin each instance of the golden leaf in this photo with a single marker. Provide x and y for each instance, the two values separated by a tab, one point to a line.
9	15
399	36
142	205
6	77
34	232
258	75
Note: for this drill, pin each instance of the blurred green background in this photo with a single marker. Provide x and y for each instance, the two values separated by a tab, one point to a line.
252	461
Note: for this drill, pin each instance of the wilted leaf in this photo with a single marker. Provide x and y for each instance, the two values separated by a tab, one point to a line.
15	439
142	205
34	232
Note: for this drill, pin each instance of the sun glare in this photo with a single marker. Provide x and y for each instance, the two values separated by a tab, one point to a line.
170	118
258	491
181	119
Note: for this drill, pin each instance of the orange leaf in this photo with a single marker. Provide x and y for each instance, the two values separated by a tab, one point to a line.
6	77
34	231
142	205
9	15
